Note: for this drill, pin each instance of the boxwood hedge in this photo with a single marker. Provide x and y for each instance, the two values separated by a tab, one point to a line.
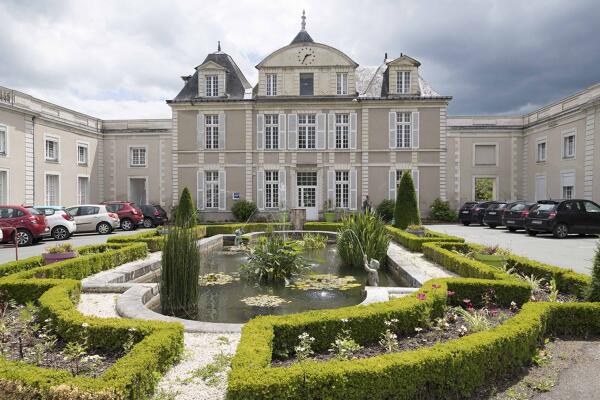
228	229
414	242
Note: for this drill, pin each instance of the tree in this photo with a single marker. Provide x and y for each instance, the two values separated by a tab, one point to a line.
407	209
594	289
185	214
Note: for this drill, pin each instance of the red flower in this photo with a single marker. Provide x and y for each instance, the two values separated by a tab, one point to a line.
451	293
436	286
494	312
421	296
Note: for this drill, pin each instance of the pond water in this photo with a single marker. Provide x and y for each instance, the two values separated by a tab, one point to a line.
223	303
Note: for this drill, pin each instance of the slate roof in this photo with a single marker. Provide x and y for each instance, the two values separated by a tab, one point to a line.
236	85
302	37
372	82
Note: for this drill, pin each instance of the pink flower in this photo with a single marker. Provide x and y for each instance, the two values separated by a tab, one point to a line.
436	286
467	301
494	312
421	296
451	293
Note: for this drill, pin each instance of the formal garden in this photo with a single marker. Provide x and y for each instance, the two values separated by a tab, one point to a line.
373	306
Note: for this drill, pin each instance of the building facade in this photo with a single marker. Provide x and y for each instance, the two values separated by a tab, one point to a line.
317	131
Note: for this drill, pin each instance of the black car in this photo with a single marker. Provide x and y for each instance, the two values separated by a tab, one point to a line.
492	216
562	217
153	215
464	214
514	215
478	212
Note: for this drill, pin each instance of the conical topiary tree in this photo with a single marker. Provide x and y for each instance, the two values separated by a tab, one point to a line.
185	214
406	211
594	290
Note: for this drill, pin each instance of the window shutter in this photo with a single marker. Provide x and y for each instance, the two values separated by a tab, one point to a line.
353	123
200	131
293	188
260	131
353	190
282	131
292	131
222	191
392	126
200	190
415	129
331	187
415	178
321	128
282	190
222	130
260	190
392	185
331	124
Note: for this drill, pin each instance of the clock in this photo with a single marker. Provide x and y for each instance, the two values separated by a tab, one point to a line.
306	55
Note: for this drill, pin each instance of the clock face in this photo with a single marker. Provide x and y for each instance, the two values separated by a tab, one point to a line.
306	55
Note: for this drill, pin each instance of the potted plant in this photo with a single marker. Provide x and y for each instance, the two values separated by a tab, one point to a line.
491	255
329	213
59	252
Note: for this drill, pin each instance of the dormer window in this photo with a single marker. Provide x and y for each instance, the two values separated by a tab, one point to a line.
306	84
403	82
342	83
271	84
212	85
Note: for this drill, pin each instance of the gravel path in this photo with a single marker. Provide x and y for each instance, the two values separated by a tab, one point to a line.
98	304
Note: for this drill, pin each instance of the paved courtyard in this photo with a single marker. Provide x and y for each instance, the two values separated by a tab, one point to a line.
573	252
7	251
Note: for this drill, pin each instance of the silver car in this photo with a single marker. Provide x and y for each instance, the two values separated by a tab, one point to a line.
94	218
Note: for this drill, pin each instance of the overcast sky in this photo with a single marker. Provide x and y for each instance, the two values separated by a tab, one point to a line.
122	59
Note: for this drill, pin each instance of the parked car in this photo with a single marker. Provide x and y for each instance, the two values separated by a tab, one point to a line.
94	218
130	214
162	211
492	215
515	214
29	223
62	225
152	215
464	214
475	212
562	217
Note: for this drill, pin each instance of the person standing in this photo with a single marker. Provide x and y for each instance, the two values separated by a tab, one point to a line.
366	205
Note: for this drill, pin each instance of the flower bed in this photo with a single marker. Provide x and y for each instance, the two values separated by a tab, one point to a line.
414	242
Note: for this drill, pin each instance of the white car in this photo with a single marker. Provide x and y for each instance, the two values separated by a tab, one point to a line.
94	218
62	225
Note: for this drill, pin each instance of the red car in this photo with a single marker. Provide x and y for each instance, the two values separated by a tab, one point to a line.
30	224
130	215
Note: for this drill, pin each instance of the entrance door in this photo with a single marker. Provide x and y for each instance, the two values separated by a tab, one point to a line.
306	182
137	190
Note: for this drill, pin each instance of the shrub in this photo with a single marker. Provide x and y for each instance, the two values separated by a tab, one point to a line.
273	259
242	210
229	229
385	210
414	242
322	226
593	293
362	233
185	213
406	211
441	211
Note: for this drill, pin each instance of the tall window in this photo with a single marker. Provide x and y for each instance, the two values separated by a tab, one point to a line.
567	192
51	149
342	189
82	155
271	131
211	123
341	131
2	140
271	189
403	82
342	83
569	146
211	182
52	190
541	151
306	84
271	84
83	190
137	157
307	131
403	130
3	187
212	85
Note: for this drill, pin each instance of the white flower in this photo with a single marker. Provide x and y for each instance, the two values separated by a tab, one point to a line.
85	325
394	320
344	320
417	329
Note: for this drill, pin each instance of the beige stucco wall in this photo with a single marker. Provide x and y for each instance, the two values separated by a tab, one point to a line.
14	161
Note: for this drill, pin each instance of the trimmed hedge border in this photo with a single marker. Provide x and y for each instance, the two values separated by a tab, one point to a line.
56	288
322	226
153	239
415	243
229	229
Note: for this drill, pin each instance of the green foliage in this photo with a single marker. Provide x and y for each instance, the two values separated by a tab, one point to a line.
313	241
185	214
406	210
362	233
593	293
229	229
21	265
484	189
441	211
242	210
273	259
414	242
476	321
322	226
60	248
344	347
385	210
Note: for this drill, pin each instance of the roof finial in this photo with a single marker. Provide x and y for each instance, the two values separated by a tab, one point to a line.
303	20
219	45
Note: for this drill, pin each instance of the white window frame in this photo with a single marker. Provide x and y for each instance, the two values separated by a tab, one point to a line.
79	200
342	130
342	189
496	149
55	139
271	131
4	131
271	84
213	185
539	142
341	80
7	171
272	200
86	146
564	136
496	185
304	129
212	85
565	192
146	178
565	174
403	129
211	131
403	82
58	192
130	152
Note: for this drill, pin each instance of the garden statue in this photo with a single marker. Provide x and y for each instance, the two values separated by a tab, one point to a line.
372	269
238	237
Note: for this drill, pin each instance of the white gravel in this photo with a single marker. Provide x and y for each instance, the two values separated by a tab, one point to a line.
98	304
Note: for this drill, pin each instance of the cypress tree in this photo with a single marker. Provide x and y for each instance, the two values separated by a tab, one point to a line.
594	290
185	214
406	211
